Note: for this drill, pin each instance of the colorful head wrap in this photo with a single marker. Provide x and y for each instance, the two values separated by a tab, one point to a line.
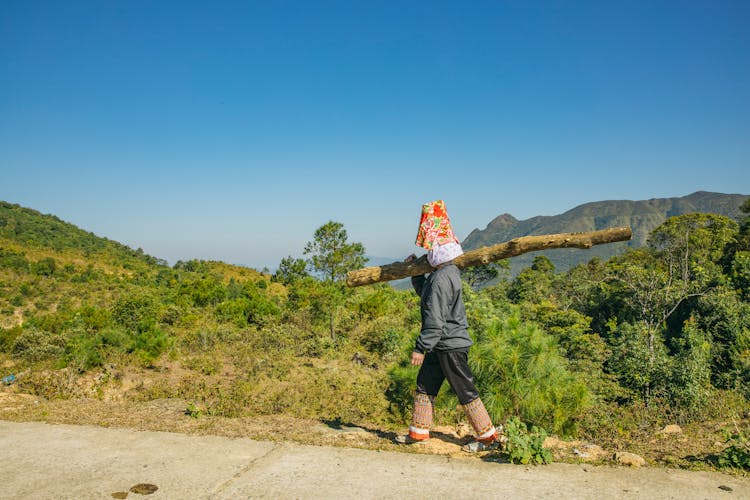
435	226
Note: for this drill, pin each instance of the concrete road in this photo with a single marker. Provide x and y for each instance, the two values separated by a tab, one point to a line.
42	461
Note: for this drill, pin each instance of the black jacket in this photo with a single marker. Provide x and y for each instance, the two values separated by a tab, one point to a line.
444	325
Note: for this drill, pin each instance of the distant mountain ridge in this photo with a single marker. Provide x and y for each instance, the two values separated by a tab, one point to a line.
642	216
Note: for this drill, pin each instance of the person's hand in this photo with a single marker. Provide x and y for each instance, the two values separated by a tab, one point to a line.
417	358
410	258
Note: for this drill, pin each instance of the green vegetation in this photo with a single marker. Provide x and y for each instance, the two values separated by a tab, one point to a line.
660	334
525	446
737	453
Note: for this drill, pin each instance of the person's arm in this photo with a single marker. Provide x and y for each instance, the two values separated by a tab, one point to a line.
418	283
434	308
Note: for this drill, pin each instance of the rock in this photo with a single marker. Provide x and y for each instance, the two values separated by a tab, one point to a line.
579	449
630	459
671	429
594	452
580	453
589	452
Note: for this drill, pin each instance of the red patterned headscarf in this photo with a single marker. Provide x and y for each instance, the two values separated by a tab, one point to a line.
435	226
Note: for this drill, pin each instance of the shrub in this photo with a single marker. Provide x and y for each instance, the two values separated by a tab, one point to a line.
261	310
520	372
233	311
642	372
13	260
37	345
51	384
85	351
690	383
737	454
206	364
385	340
524	446
136	312
44	267
8	337
204	291
149	344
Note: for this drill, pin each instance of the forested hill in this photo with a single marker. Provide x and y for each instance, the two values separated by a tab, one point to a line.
31	231
29	235
51	267
642	216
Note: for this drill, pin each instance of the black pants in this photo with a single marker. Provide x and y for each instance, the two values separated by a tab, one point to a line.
451	365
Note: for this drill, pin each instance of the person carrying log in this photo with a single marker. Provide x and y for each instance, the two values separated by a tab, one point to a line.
442	347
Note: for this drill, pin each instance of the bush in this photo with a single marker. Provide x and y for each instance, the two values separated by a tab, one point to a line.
520	372
233	311
524	446
205	364
135	312
385	340
44	267
149	344
8	338
645	374
85	351
37	345
13	260
737	454
204	291
380	302
690	384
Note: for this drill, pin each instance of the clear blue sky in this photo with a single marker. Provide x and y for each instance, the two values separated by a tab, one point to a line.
232	130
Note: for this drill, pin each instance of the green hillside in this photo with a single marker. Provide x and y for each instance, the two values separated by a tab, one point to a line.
642	216
72	303
24	227
44	260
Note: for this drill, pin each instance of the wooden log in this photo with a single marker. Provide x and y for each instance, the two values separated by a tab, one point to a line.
485	255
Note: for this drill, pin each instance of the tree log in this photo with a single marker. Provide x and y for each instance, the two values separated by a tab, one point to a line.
485	255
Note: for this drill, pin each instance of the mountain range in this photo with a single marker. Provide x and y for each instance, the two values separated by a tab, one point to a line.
642	216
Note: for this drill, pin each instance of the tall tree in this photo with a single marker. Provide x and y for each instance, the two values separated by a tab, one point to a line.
331	257
290	270
681	262
479	276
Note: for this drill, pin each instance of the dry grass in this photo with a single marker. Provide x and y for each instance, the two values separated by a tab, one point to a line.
695	448
147	399
169	415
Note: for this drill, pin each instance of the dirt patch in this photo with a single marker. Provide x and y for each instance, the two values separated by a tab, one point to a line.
10	401
172	415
